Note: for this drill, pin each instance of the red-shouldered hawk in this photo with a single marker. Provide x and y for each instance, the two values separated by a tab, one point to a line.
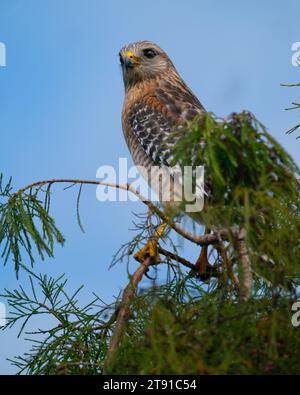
157	104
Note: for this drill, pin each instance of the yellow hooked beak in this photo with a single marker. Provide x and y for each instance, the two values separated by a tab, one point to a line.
131	60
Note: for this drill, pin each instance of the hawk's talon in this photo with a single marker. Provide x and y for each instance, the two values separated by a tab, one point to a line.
149	277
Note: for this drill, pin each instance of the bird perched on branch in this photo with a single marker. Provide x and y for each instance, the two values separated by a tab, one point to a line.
157	104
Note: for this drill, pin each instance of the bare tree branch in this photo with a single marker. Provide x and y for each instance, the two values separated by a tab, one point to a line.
211	270
200	240
177	258
246	279
124	310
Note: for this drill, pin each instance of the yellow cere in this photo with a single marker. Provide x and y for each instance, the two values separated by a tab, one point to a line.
131	55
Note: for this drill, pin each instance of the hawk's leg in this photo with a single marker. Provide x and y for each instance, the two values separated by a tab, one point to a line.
202	262
150	249
205	269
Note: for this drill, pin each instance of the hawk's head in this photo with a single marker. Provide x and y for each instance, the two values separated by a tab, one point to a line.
143	60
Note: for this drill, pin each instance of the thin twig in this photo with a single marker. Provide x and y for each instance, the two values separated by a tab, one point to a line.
200	240
177	258
246	280
211	270
227	262
125	311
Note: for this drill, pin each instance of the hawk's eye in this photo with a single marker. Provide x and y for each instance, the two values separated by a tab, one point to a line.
121	59
149	53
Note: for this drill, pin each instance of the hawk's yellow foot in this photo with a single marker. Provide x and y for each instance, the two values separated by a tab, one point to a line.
150	249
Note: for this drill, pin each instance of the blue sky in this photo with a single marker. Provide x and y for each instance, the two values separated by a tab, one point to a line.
61	96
